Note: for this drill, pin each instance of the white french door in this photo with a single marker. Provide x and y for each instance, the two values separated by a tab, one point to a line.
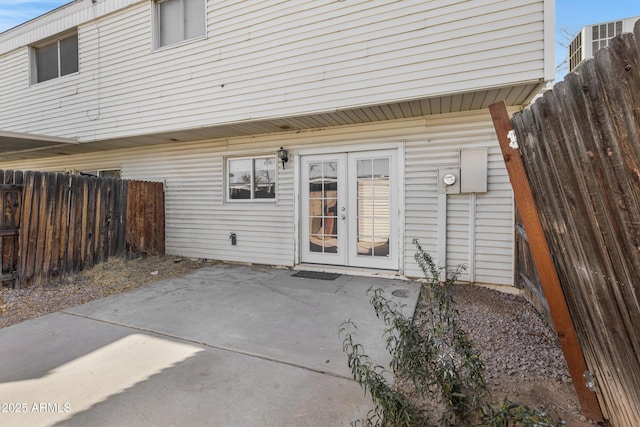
349	209
323	207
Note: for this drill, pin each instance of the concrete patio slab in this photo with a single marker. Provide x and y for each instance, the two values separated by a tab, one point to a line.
225	345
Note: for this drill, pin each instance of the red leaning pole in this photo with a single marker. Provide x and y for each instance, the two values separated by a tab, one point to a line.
544	264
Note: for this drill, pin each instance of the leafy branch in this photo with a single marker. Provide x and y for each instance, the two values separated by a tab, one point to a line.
436	355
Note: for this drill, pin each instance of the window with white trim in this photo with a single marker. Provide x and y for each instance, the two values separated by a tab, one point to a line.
179	20
55	58
251	178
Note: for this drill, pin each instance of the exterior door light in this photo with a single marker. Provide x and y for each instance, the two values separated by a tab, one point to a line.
283	155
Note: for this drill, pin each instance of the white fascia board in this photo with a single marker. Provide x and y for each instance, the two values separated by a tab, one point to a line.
549	40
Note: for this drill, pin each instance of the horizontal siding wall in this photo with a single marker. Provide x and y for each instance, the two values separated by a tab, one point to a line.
265	60
199	221
489	216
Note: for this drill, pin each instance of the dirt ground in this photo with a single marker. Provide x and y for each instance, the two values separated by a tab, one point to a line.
546	387
109	278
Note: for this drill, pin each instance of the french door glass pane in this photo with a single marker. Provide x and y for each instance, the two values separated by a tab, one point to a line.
381	168
331	244
315	172
374	213
323	207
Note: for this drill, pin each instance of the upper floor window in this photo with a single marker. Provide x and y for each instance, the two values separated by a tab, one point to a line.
179	20
55	58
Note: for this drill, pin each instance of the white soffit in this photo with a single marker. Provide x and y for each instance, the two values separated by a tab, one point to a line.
15	146
11	142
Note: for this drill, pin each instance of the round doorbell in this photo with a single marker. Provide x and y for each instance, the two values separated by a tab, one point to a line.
449	179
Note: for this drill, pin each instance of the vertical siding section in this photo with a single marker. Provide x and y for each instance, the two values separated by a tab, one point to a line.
458	233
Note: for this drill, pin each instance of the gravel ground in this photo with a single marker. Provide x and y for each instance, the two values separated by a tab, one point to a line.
523	358
510	334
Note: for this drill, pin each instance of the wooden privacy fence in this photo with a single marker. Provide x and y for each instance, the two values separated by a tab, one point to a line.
527	277
580	146
53	223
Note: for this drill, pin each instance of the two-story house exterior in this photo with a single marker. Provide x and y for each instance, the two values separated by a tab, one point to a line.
380	106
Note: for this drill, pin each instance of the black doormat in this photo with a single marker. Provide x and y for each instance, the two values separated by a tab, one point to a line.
316	275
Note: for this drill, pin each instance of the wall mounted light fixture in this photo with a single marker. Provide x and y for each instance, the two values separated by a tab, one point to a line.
283	155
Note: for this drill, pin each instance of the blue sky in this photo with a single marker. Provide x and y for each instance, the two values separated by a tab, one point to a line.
571	15
15	12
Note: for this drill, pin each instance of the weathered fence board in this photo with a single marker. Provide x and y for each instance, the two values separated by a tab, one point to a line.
10	198
146	206
527	277
580	144
545	266
52	224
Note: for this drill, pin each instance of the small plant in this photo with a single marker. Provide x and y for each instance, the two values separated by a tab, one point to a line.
391	405
436	355
507	413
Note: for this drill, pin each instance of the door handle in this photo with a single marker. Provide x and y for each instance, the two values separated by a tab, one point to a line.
343	216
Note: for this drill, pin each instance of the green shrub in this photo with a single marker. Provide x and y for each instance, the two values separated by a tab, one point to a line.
436	355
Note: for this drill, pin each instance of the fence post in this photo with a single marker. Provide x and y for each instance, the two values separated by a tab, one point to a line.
10	206
544	263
